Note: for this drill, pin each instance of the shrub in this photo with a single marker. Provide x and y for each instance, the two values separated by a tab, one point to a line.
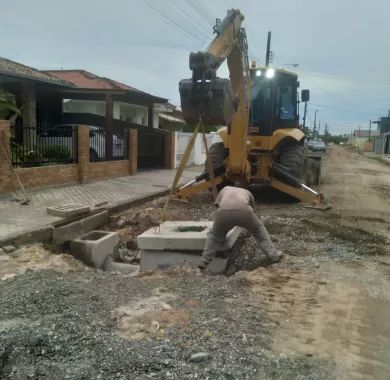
58	153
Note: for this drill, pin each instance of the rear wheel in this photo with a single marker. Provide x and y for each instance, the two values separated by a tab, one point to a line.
292	158
217	154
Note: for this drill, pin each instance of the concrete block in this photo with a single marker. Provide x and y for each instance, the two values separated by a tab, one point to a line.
68	210
75	229
94	247
182	236
160	260
8	248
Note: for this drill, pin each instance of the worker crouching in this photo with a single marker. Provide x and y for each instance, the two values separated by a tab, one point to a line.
236	208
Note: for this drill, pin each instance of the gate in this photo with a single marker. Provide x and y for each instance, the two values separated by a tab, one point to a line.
151	148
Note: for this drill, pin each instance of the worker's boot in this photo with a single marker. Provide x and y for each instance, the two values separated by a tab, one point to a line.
204	261
275	257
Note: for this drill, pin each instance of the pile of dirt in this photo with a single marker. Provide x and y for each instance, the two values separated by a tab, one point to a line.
37	257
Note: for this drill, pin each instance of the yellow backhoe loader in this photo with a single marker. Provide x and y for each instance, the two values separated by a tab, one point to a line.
262	142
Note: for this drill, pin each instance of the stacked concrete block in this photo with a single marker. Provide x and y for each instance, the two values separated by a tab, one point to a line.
68	210
180	242
70	231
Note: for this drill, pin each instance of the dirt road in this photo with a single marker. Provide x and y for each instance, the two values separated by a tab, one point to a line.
322	313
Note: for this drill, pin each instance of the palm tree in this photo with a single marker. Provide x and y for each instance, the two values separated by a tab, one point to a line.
7	105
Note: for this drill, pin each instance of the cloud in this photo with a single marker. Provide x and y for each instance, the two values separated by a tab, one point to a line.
336	43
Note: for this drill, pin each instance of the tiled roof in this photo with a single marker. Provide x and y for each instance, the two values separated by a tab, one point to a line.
85	79
15	69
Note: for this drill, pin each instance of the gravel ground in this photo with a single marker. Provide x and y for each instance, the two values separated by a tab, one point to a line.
75	325
319	314
63	327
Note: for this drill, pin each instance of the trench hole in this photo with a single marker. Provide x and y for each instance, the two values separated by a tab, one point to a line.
94	236
190	229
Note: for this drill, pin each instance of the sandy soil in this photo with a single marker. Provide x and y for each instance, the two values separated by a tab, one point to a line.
319	314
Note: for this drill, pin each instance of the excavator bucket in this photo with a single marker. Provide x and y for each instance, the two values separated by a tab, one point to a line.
213	99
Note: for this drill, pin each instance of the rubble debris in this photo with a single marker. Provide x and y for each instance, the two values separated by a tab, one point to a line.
199	357
110	265
8	248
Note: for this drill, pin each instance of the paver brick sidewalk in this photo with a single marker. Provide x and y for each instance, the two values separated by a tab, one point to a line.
16	219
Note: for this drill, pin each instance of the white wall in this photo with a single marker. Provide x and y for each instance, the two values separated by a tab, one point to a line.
198	153
121	111
156	119
84	106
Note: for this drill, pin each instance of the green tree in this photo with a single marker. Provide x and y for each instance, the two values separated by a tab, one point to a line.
7	105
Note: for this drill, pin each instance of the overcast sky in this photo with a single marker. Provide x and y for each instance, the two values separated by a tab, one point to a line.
342	47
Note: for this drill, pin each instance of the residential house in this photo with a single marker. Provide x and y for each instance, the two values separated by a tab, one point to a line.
360	137
382	141
60	109
128	103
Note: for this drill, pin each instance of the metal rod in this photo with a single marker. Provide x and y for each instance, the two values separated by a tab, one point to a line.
188	184
309	189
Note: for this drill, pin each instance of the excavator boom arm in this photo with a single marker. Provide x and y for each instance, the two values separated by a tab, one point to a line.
220	101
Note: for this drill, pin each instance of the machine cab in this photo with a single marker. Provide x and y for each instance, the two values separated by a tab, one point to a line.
274	100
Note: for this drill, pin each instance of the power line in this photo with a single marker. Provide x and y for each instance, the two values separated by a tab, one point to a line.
345	110
195	7
345	78
172	22
190	18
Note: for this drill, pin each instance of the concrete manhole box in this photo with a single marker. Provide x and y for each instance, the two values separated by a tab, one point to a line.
182	236
94	247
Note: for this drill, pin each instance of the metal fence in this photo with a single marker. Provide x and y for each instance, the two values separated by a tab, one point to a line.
151	148
97	144
43	145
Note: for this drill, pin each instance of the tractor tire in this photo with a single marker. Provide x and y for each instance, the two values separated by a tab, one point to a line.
217	154
292	157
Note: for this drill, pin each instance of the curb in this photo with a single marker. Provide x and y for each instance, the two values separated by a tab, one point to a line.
44	234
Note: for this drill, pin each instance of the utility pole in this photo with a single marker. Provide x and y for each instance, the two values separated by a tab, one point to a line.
319	128
369	132
326	133
268	53
315	124
304	116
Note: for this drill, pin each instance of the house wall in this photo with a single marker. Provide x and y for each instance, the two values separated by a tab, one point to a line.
156	119
83	171
121	111
198	153
133	113
84	106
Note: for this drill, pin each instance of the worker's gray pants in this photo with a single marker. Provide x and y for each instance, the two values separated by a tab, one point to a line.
225	220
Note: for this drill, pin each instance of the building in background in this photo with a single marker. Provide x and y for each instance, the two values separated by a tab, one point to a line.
360	137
